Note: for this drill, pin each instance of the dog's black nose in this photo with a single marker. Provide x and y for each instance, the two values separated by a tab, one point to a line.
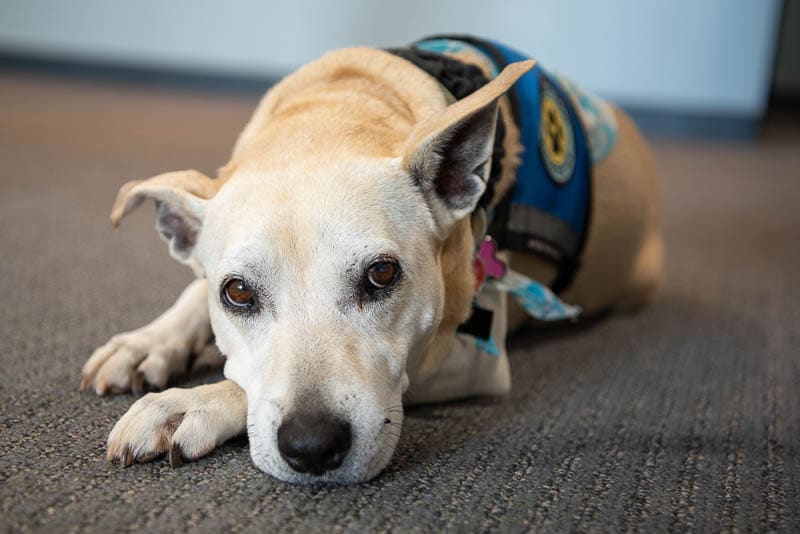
314	443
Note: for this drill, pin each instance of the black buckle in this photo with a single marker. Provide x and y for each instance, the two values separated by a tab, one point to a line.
479	323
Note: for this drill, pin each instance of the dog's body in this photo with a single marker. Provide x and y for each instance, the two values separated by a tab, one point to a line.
334	255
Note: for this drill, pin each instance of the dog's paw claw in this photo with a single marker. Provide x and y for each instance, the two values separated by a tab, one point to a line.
86	382
176	458
127	459
138	384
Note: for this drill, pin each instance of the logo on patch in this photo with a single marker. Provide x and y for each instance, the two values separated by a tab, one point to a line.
556	138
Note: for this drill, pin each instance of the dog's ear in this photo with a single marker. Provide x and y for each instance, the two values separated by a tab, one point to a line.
180	198
448	154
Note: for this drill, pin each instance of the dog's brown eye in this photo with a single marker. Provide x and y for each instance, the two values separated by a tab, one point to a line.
382	273
238	293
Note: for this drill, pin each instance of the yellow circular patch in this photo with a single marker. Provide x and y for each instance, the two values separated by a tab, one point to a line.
555	133
556	137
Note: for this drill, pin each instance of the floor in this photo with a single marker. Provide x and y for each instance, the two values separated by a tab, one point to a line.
685	416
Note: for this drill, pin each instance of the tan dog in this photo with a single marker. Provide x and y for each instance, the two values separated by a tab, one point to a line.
334	255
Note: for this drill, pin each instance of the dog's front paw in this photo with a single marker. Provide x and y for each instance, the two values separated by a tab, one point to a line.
149	356
180	422
136	361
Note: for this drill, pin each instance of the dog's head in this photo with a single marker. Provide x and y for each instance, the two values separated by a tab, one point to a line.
324	278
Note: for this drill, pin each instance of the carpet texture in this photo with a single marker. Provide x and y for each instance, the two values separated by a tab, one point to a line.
682	417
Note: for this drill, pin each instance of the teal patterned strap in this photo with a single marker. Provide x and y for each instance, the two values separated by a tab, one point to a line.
537	299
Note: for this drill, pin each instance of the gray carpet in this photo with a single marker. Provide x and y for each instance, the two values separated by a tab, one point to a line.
682	417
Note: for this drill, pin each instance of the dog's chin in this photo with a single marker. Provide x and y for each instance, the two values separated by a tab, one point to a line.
362	463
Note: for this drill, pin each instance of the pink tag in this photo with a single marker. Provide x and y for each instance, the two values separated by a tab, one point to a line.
493	267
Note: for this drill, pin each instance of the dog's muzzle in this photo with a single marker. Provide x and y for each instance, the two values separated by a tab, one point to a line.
314	443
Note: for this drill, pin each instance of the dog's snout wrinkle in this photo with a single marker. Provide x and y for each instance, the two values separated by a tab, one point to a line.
314	443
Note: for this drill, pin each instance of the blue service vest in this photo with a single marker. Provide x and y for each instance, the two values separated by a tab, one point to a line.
547	213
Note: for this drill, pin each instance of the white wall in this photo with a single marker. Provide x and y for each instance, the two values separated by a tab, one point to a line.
706	56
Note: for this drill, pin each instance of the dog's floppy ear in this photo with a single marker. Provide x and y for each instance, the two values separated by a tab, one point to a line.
180	198
448	154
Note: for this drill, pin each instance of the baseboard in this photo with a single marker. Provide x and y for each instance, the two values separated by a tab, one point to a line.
657	123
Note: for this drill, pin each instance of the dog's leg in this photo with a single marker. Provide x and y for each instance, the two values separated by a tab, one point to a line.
186	423
154	353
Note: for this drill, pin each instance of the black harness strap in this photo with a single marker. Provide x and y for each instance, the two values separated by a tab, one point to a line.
461	80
